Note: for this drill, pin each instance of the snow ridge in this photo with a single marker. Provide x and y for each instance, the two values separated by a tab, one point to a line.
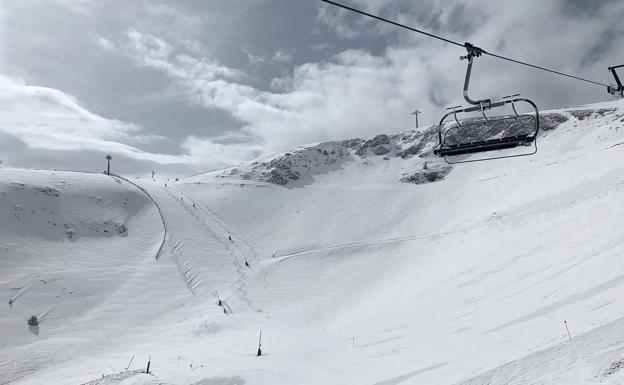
298	167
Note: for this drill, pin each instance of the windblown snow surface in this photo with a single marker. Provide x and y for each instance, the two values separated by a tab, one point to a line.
370	262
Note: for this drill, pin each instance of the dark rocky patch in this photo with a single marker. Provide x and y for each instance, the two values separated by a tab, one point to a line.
615	367
427	174
550	121
376	144
581	114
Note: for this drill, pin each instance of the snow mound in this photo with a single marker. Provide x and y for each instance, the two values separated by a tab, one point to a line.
69	242
42	205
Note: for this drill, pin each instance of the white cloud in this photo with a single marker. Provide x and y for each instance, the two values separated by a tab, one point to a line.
255	59
151	51
283	56
47	119
219	154
335	18
106	44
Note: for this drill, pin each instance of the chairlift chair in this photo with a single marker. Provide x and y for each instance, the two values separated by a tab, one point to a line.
484	134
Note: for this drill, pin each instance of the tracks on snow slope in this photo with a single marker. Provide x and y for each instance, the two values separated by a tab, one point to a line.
252	250
162	218
188	271
216	220
616	184
184	267
595	348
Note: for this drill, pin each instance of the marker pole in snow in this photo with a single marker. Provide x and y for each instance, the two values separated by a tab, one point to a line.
149	361
108	159
566	325
259	345
218	299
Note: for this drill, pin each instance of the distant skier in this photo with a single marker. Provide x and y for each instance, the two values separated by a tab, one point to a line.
11	303
194	205
247	264
230	238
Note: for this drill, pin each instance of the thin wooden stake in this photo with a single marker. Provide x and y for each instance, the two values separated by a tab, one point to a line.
149	361
129	363
218	298
259	345
566	325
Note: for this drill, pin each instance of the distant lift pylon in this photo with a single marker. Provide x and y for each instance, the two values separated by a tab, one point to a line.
483	134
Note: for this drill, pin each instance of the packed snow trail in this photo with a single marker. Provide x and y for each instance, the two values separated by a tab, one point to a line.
162	244
200	246
244	247
214	221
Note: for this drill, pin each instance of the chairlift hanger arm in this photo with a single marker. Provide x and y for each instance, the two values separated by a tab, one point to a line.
619	88
339	5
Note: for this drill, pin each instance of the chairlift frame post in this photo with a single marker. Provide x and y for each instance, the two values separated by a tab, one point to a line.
619	88
482	105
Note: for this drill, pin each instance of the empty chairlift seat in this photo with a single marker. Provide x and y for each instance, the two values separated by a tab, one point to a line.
459	135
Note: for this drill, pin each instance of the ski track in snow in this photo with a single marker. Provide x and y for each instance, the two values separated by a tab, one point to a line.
115	378
554	207
184	267
22	367
252	251
237	262
562	357
162	244
218	222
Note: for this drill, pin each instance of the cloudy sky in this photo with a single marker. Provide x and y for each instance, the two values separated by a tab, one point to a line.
186	86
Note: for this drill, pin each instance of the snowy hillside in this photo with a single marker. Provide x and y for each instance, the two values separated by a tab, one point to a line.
299	167
73	245
367	261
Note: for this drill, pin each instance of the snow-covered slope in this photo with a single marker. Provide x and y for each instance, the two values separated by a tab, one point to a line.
72	247
462	275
